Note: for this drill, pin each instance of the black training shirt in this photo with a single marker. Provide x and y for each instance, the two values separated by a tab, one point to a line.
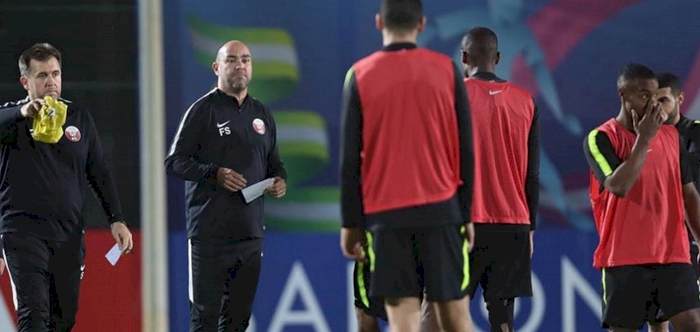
218	132
43	186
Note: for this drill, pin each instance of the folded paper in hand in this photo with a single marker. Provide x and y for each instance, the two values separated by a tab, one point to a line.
114	254
256	190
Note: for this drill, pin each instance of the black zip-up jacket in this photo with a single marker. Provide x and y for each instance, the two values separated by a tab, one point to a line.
218	132
43	186
690	135
690	132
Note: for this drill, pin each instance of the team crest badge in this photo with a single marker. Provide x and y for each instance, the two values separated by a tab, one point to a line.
259	126
73	133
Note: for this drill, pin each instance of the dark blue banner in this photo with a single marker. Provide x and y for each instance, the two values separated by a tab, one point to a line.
567	53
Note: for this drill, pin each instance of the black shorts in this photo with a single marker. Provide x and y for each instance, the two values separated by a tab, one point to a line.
373	306
629	292
405	261
653	313
500	262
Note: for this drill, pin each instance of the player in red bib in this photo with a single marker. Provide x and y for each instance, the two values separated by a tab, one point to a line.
640	183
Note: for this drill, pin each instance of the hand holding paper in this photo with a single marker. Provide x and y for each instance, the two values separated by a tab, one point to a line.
278	189
114	254
230	179
123	236
125	242
256	190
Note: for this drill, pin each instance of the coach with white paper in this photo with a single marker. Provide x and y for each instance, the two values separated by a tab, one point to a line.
227	141
50	154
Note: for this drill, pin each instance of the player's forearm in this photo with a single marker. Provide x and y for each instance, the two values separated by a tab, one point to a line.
466	145
466	190
532	197
532	181
351	208
623	178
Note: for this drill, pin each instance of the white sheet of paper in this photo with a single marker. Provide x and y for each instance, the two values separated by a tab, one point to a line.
256	190
114	254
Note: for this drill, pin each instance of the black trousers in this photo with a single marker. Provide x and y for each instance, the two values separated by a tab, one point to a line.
45	276
223	282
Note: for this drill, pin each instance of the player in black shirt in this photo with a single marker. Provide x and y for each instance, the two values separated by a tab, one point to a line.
42	195
670	96
227	140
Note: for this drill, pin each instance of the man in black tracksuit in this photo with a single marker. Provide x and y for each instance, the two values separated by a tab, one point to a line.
227	140
43	188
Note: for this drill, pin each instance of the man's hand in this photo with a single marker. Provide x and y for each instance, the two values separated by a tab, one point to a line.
532	243
122	235
278	188
31	109
649	124
352	241
2	266
469	235
230	179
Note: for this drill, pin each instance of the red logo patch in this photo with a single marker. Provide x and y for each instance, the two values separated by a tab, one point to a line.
73	133
259	126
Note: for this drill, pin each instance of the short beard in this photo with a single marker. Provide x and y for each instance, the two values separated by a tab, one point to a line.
673	115
238	84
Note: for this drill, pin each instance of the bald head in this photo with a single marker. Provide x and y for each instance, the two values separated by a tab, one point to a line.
234	68
233	47
480	43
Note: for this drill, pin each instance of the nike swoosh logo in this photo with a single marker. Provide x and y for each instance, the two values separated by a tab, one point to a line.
492	92
222	124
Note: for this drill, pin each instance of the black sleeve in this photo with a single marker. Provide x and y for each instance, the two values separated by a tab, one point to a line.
275	167
352	208
692	141
465	145
99	174
532	180
600	155
684	161
9	117
691	135
181	161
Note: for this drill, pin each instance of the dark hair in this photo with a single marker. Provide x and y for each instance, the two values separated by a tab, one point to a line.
668	80
632	72
401	15
38	52
480	42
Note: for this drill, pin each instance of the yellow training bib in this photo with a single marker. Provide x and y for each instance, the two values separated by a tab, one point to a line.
48	124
